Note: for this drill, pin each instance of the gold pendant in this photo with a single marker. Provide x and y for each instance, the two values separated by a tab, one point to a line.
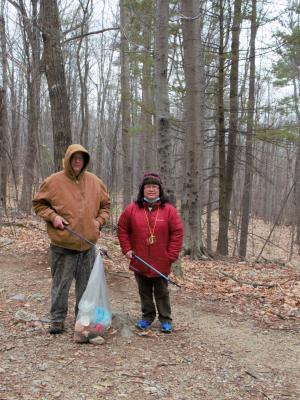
151	239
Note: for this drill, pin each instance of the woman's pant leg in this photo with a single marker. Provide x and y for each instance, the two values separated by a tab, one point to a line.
162	299
145	286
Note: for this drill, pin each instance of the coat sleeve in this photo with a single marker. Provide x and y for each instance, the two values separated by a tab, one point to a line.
124	230
175	235
42	205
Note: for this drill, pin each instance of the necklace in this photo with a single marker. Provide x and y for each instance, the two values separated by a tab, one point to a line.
152	238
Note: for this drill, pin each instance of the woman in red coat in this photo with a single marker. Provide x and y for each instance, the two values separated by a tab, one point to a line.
151	228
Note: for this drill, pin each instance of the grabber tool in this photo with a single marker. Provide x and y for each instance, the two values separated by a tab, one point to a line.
155	270
103	252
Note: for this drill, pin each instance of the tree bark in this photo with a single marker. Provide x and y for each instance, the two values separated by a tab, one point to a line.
53	64
247	191
221	116
82	57
4	145
32	53
16	99
193	122
150	150
162	106
84	108
125	106
209	209
224	212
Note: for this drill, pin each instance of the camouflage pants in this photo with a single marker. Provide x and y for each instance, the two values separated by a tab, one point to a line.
65	268
157	287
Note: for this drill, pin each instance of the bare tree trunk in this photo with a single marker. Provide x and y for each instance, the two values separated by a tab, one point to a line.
297	166
247	191
99	140
297	193
83	73
32	52
74	93
221	117
102	100
15	128
53	64
125	106
4	146
150	151
3	176
210	200
84	109
222	246
162	107
16	96
194	131
184	197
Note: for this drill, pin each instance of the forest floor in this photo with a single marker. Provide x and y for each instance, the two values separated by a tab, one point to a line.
236	331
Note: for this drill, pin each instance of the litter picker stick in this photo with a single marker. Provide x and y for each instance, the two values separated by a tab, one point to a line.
102	251
154	269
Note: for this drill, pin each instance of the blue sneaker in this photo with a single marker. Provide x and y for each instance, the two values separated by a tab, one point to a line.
142	324
166	327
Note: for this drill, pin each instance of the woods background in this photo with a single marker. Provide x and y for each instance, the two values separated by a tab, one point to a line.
204	92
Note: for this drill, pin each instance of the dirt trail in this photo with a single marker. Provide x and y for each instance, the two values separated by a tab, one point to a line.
211	355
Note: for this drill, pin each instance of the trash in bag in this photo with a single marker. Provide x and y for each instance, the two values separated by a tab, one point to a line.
94	312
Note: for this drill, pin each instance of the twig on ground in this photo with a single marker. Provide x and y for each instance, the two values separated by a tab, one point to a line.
166	364
241	282
13	223
250	374
120	274
6	244
277	315
132	376
69	362
280	288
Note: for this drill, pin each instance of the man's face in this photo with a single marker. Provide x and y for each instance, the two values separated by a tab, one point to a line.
77	162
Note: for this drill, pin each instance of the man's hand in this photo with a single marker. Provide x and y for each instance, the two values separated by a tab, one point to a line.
129	254
98	225
59	222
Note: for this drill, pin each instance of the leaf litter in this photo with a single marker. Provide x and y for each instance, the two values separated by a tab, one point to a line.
236	331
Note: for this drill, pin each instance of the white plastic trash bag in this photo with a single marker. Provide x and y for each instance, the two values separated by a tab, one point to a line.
94	314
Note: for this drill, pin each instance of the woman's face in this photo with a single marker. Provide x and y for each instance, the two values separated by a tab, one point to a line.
151	191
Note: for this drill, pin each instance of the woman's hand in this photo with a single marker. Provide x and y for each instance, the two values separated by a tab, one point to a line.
129	254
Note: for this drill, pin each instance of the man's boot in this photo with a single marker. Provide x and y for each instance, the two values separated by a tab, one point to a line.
56	328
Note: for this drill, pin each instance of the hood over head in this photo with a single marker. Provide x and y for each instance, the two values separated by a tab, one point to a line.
74	148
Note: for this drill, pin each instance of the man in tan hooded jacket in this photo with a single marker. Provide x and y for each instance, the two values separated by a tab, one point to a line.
79	199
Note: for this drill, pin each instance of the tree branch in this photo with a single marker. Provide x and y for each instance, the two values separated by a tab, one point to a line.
91	33
240	282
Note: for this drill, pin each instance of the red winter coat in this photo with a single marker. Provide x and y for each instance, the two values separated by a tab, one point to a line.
133	232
